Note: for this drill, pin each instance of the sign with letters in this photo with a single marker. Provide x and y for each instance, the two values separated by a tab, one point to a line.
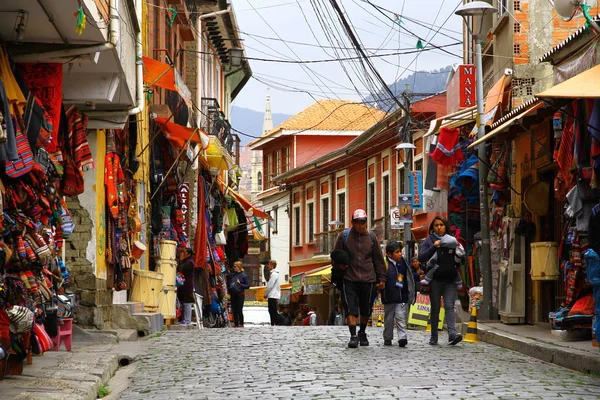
416	189
461	89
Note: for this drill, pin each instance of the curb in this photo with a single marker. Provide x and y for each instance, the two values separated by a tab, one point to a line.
564	356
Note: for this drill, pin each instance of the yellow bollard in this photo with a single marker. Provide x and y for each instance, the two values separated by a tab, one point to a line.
471	335
379	321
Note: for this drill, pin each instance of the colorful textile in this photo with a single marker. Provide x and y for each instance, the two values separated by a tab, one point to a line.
113	174
78	143
448	149
13	91
594	130
45	82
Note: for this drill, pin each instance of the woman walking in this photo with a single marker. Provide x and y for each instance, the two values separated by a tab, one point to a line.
238	283
444	278
185	292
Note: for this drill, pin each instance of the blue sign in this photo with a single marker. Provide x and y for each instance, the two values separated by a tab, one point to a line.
416	189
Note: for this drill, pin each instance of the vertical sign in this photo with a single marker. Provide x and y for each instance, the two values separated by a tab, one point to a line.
395	218
405	208
184	201
416	189
467	85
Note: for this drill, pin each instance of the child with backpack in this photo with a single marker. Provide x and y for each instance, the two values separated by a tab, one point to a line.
399	294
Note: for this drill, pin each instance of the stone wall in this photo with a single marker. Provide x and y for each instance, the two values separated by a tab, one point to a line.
92	293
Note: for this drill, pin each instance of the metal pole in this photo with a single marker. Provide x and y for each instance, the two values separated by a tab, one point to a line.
487	311
407	232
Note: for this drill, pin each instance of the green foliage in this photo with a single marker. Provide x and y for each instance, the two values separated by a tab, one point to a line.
103	391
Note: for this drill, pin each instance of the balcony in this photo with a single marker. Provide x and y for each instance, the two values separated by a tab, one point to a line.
214	123
325	241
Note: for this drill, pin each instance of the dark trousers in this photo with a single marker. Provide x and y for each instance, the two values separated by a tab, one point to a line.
273	312
237	304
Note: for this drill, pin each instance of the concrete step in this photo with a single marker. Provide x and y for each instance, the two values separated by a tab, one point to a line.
128	316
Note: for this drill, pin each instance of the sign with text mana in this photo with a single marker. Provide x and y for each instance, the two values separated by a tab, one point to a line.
460	91
419	312
416	189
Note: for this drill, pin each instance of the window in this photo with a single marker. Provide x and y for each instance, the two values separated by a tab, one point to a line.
259	179
325	205
386	195
325	214
310	222
297	226
502	7
267	168
340	192
277	160
401	181
419	165
341	207
274	215
286	159
371	203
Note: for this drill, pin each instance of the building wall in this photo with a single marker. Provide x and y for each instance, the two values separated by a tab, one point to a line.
279	242
308	148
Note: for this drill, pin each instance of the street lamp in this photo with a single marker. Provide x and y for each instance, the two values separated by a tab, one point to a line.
407	236
236	54
477	10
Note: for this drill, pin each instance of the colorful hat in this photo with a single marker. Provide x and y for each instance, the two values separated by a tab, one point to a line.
359	215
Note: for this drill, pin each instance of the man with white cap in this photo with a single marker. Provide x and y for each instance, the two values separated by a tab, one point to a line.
362	276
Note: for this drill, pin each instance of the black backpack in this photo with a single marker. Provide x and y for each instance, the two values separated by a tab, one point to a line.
337	273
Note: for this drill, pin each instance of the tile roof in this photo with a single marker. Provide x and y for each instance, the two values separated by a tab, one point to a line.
332	115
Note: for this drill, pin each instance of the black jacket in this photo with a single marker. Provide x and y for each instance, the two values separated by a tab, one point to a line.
367	263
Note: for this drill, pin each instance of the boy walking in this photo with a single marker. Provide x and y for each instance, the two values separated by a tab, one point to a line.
398	295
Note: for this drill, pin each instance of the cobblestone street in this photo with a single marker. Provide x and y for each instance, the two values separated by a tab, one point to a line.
305	362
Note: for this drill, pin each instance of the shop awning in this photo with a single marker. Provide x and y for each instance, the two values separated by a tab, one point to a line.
585	85
256	212
166	76
504	126
325	272
285	286
454	120
179	135
217	156
496	97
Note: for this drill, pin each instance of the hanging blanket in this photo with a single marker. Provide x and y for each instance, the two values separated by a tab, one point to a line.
447	150
46	81
82	155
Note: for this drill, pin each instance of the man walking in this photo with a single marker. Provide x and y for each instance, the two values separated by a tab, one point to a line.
273	292
362	277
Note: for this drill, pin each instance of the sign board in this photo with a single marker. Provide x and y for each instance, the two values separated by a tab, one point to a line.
313	284
395	218
296	283
416	189
461	89
405	208
419	312
285	296
183	197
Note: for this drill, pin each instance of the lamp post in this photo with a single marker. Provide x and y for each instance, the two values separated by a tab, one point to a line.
407	237
477	10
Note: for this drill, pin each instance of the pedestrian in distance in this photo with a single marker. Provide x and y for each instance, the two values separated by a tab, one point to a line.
298	319
284	317
237	282
311	317
336	316
363	276
273	292
399	294
443	281
185	292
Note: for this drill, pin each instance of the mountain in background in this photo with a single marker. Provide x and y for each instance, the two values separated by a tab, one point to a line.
251	122
426	82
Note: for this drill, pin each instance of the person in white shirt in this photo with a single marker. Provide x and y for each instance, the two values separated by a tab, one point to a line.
273	292
313	316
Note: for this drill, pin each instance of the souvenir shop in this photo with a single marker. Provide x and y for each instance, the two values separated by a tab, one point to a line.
43	152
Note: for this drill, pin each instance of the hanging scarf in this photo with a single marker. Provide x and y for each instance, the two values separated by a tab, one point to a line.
564	157
447	150
113	174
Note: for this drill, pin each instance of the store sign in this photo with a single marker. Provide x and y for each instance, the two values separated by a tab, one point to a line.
416	189
296	283
313	285
405	208
461	89
183	197
419	312
285	296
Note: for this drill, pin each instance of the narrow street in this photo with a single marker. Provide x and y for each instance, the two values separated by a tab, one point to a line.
303	362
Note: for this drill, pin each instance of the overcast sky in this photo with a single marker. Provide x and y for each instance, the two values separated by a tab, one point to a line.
296	21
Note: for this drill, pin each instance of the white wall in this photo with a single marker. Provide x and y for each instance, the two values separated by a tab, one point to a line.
88	200
280	242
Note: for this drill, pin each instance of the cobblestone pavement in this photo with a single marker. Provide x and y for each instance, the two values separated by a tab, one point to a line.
315	363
